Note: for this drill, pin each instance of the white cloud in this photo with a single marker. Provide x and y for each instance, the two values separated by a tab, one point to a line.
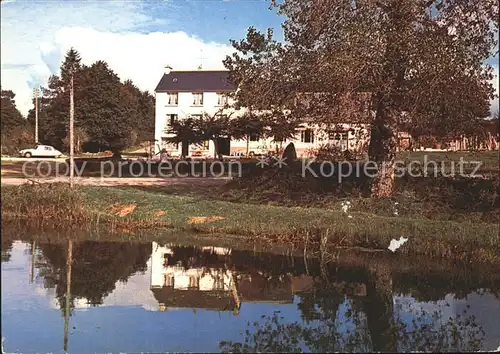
141	57
109	31
36	35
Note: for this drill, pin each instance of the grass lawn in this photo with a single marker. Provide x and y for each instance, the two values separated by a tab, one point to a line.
128	210
451	218
489	164
490	160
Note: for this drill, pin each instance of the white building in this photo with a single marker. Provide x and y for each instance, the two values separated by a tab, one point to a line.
197	287
183	94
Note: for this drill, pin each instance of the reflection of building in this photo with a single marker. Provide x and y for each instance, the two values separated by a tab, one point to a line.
174	285
214	278
259	288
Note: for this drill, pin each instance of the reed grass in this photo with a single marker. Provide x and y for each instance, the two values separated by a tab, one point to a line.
90	208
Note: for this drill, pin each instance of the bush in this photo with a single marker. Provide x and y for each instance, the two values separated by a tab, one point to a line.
56	201
329	152
18	139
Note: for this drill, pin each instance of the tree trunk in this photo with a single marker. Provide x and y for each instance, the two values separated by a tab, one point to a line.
379	309
216	148
185	148
382	150
248	145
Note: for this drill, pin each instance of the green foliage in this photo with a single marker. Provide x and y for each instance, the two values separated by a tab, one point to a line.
44	201
246	125
97	268
427	332
195	130
109	114
397	65
6	249
15	130
11	117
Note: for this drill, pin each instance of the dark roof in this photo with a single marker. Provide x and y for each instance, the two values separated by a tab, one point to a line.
197	299
192	81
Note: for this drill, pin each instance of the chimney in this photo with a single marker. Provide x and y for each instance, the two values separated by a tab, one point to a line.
168	68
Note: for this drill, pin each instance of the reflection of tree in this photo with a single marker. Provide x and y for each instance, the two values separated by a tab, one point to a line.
68	301
97	266
321	330
378	307
433	284
430	332
320	304
328	332
6	249
194	257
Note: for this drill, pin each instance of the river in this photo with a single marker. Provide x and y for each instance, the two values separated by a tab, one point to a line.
123	297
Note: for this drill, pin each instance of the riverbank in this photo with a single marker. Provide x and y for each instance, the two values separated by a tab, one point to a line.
130	211
432	273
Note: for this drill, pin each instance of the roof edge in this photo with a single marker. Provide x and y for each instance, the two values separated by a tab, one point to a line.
197	71
221	90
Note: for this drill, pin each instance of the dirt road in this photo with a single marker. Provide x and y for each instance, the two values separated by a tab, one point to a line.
123	181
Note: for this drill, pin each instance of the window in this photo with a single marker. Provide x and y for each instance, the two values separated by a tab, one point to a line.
254	137
193	281
206	145
171	119
222	99
165	257
173	98
219	282
169	280
307	136
197	99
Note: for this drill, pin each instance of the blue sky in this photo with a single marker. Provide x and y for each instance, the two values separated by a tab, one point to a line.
213	20
137	38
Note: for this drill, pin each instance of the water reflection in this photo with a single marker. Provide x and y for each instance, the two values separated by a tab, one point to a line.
117	296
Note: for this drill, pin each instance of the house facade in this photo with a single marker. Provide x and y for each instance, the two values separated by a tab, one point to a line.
184	94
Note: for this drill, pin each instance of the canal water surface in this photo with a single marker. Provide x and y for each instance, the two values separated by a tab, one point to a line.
123	297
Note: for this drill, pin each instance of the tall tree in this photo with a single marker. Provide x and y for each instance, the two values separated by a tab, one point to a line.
15	130
53	112
389	63
106	116
109	114
245	126
141	110
11	117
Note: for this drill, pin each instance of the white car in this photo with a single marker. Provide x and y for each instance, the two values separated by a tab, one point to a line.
261	150
41	151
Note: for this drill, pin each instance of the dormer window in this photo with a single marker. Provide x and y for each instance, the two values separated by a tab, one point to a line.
222	99
197	99
173	98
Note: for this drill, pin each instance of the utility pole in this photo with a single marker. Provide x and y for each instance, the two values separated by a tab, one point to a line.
67	309
33	254
36	114
71	125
